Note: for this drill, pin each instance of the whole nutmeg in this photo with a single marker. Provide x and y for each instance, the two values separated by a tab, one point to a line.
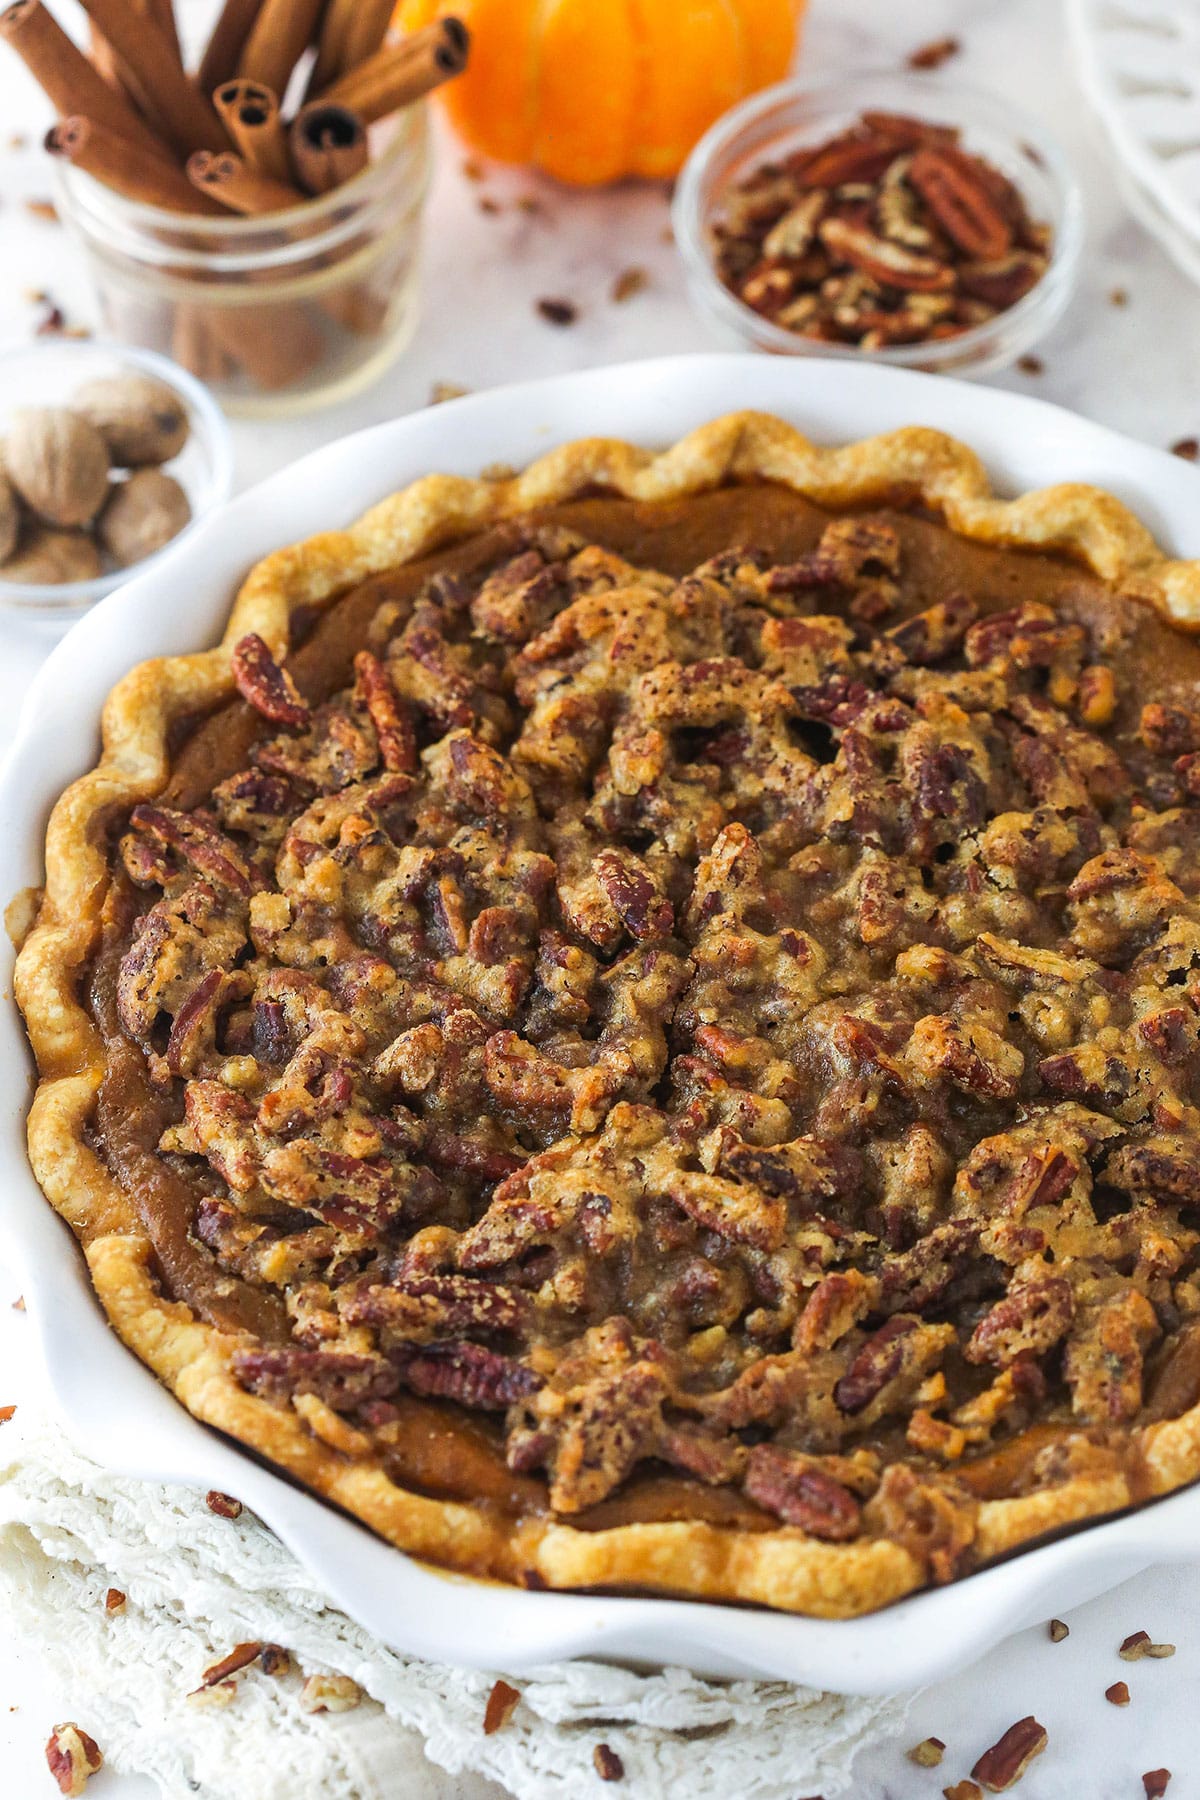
143	421
10	517
48	557
58	463
142	515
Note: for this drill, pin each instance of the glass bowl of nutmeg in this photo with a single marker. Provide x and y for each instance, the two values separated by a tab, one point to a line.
108	456
897	218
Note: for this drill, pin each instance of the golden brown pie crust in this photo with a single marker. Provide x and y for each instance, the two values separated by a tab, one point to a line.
782	1568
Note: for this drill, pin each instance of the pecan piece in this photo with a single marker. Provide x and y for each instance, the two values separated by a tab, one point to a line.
1003	282
267	687
72	1757
239	1658
928	636
879	1361
502	1703
194	1025
636	896
224	1505
833	1308
330	1694
391	719
467	1373
854	156
885	261
959	199
928	1753
1009	1757
194	840
797	1491
1033	1316
607	1763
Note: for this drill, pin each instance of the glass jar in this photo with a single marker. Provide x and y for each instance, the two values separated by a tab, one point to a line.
276	314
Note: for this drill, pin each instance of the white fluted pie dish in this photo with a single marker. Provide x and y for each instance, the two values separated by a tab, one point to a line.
116	1410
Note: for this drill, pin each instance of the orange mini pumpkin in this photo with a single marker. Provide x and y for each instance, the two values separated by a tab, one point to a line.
591	90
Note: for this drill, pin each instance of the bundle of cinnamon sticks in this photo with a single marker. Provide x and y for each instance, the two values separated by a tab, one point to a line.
278	111
221	138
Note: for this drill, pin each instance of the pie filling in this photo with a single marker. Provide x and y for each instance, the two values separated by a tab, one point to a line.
670	1030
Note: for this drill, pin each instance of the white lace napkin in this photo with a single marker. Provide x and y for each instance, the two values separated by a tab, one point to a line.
197	1584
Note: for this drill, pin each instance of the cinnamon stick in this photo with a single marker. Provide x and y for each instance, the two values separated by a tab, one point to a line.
328	145
179	111
117	73
274	345
278	39
367	31
67	76
127	167
351	31
224	48
230	179
397	76
163	14
250	114
193	345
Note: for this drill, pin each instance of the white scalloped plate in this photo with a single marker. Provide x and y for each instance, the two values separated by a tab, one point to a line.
1139	65
115	1408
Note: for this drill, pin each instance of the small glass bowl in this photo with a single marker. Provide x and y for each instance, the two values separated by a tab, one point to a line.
49	372
780	120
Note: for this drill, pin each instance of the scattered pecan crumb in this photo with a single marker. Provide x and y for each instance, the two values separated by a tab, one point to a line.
17	140
1058	1630
528	203
53	322
240	1657
330	1693
935	53
42	209
501	1703
1117	1694
72	1757
1187	447
1155	1783
222	1693
472	170
18	1304
928	1753
628	283
1009	1757
114	1601
1031	365
1139	1644
275	1660
489	205
558	312
963	1790
609	1766
441	391
6	1413
1118	296
224	1505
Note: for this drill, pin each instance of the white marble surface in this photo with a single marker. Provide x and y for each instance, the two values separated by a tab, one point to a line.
1135	367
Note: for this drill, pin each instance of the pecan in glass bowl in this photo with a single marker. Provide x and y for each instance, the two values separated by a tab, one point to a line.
890	217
